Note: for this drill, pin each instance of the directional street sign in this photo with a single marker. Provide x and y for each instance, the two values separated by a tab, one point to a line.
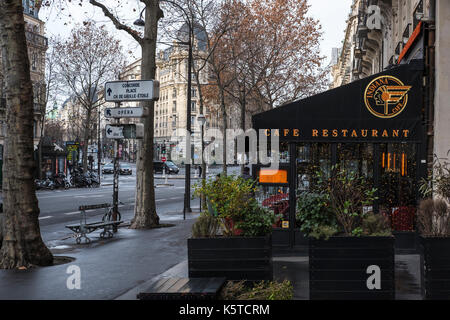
124	112
114	132
125	131
134	90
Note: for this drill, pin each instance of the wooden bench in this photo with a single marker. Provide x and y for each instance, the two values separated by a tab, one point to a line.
83	228
184	289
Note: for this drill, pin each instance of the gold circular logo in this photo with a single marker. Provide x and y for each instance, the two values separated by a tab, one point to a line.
386	96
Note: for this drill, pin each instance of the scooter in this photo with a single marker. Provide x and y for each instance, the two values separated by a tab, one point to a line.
60	181
45	184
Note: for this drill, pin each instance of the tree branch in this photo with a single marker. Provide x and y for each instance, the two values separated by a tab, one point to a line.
116	22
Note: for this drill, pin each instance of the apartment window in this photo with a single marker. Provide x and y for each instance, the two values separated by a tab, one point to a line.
193	93
174	107
34	61
193	106
174	93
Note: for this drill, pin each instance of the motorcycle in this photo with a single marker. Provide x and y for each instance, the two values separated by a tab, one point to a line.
61	181
44	184
93	178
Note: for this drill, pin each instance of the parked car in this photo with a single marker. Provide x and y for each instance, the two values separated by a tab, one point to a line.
168	166
125	169
108	168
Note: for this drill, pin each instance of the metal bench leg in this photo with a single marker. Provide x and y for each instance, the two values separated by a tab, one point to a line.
107	232
82	235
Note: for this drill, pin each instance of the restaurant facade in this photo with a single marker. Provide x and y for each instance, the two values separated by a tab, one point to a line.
373	126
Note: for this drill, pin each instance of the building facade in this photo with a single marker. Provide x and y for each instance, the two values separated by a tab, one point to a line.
382	34
170	110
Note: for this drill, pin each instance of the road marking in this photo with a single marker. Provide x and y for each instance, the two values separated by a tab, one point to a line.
70	213
46	217
90	196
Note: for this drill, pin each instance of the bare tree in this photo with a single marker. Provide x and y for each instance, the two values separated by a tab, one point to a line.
46	94
89	58
22	245
145	215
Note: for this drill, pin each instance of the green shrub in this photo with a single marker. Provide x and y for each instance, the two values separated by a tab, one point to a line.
313	210
231	199
376	225
264	290
255	220
206	226
323	232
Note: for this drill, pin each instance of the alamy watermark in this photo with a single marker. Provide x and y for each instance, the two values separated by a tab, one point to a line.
74	280
263	147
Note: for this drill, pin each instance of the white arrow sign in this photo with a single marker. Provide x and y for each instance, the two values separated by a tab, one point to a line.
124	112
134	90
114	132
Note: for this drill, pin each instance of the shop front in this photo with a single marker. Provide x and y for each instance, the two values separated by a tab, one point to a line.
373	126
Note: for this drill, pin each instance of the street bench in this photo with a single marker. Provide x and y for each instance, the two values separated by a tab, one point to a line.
184	289
83	228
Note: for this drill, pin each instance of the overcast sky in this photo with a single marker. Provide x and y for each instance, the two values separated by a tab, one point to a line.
332	15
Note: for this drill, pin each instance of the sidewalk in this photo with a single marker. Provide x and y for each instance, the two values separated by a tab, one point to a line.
108	267
121	267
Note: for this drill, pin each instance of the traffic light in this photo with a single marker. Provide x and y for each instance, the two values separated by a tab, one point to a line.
163	149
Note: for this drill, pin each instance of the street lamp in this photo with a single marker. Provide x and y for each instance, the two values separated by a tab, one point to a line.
140	22
201	119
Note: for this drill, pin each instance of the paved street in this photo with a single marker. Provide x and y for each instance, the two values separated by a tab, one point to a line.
61	206
102	278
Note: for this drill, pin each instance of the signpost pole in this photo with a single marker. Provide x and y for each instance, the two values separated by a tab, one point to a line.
99	150
116	178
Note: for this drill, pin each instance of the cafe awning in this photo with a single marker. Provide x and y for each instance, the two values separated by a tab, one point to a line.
385	107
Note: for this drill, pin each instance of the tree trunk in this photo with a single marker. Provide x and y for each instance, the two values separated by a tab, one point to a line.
224	130
22	244
87	135
243	106
145	215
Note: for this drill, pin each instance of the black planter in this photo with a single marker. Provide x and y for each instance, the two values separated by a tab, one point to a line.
435	267
405	241
338	268
235	258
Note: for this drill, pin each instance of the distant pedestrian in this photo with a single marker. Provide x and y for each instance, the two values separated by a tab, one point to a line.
246	174
199	171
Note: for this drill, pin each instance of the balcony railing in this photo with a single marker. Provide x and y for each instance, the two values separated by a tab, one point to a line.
36	39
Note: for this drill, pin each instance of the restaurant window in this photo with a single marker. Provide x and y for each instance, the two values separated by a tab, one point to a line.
356	157
311	158
398	187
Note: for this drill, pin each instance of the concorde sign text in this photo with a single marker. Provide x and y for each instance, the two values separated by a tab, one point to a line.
134	90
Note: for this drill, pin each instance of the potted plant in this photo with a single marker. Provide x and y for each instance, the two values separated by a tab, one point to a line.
232	238
351	250
433	217
402	222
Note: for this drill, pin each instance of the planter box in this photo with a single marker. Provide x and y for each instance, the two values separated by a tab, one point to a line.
405	241
435	267
235	258
338	268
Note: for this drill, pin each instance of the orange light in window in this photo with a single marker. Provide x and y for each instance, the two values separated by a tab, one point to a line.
403	164
382	162
273	176
389	161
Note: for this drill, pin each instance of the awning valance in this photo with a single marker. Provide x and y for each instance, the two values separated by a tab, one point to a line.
385	107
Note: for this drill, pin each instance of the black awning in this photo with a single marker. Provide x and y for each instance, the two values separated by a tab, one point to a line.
385	107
